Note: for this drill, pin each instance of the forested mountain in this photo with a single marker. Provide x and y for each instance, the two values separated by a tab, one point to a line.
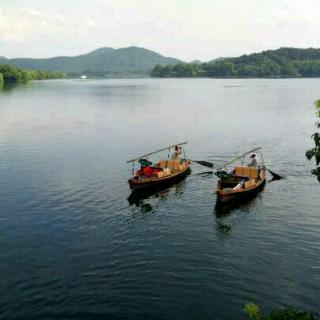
284	62
100	62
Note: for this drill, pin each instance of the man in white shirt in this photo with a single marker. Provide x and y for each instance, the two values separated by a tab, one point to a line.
176	153
253	161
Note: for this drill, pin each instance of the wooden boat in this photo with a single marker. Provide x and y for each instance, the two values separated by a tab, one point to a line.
162	173
241	182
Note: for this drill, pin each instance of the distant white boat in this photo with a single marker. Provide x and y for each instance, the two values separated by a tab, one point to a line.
83	77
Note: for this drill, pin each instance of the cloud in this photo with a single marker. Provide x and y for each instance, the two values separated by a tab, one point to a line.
25	24
187	29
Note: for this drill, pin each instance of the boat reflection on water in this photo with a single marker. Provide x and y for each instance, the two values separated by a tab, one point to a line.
245	203
224	228
139	197
222	210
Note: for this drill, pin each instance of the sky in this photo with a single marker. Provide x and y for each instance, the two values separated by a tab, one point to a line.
184	29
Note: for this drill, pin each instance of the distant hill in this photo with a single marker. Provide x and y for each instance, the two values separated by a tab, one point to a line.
283	62
100	62
216	59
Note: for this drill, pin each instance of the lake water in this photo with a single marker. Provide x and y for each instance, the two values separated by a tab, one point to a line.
73	247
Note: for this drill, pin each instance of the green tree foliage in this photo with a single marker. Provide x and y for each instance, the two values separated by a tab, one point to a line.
178	70
11	75
314	153
224	68
284	62
289	314
254	313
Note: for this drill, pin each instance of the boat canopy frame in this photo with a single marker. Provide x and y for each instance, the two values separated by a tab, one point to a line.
154	152
256	152
242	156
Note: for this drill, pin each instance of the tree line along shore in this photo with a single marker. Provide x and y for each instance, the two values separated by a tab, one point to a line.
284	62
101	63
13	75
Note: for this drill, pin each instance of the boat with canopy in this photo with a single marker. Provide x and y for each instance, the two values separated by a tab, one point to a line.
243	180
160	173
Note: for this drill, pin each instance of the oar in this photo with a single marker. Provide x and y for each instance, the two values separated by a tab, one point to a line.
275	175
203	163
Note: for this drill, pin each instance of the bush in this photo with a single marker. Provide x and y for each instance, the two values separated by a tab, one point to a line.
315	151
10	74
254	313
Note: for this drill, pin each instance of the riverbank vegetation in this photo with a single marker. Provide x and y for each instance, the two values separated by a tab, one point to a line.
314	153
253	312
284	62
12	75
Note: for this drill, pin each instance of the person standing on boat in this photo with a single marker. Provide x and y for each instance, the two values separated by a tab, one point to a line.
176	153
253	161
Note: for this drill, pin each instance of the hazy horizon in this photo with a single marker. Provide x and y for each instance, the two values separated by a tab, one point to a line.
184	29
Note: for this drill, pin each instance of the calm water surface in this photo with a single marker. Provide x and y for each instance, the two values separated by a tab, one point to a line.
73	247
